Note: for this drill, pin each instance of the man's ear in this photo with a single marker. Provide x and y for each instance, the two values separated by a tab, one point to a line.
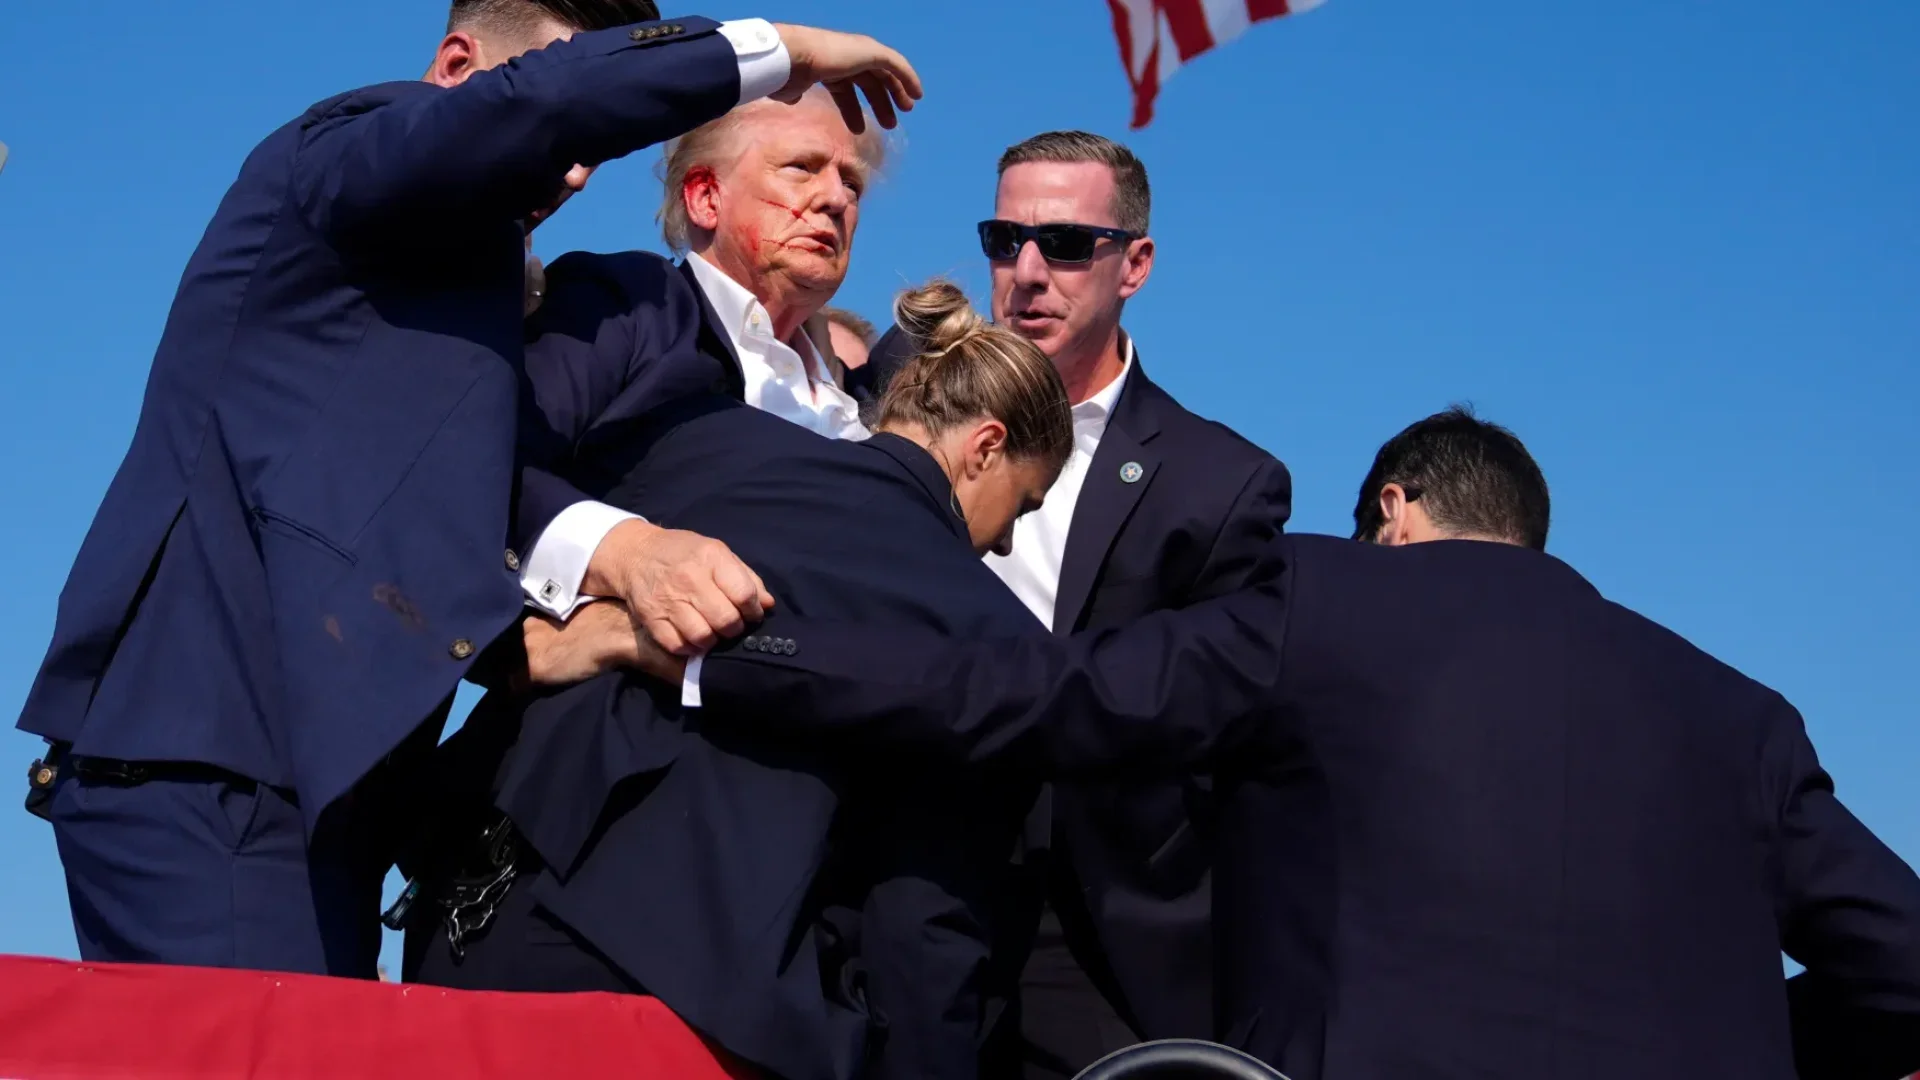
457	58
1393	516
700	192
1139	267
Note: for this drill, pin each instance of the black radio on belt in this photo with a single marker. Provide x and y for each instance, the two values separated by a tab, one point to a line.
40	779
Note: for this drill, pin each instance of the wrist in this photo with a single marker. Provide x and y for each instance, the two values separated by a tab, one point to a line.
617	647
615	560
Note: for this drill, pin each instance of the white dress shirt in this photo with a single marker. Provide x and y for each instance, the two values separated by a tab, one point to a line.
1032	571
787	379
778	379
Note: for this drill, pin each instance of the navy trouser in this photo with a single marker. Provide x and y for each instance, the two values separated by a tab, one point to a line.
215	873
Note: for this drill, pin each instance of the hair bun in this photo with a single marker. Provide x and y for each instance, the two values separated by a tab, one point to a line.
936	315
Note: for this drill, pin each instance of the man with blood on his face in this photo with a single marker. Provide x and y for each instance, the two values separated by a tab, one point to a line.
764	203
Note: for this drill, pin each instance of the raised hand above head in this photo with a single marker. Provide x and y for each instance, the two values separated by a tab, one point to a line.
849	65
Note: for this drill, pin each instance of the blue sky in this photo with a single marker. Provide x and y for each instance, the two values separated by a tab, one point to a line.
1675	246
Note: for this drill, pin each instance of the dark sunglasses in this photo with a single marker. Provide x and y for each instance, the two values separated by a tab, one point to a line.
1002	240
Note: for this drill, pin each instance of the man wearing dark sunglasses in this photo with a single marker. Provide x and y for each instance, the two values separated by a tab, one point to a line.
1474	821
1157	508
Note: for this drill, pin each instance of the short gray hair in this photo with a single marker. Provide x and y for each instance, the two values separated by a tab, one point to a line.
711	143
1132	196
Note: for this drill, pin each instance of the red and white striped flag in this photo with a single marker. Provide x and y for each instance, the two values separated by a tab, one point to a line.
1157	36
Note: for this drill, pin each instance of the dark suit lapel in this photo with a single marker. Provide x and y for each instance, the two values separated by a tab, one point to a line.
715	341
1122	470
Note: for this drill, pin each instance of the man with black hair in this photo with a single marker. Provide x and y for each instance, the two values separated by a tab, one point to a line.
1474	819
308	543
1483	485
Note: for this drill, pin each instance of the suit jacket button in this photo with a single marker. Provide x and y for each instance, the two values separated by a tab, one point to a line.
788	647
750	643
513	561
641	34
460	649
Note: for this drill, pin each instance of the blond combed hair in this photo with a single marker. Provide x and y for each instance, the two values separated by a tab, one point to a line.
967	369
713	145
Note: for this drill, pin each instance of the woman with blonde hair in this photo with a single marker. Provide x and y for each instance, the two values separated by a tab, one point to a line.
813	911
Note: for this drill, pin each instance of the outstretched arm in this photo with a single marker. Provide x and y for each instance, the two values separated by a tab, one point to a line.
1167	691
499	144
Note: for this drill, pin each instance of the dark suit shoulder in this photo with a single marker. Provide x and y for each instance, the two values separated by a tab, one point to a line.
632	275
363	100
1467	583
1735	687
1185	424
1217	466
586	289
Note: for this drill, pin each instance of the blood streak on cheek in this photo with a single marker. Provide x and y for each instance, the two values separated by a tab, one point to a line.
750	238
797	213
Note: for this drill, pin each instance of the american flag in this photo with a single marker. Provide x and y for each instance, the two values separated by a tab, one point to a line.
1157	36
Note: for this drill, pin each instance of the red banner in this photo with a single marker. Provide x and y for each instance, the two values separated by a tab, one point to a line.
61	1020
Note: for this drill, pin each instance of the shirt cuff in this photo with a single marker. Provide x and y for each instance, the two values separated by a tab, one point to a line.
690	683
764	63
557	565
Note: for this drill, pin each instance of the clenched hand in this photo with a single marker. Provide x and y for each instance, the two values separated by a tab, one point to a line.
685	591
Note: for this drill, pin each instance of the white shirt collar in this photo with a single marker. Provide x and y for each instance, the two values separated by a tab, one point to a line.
1091	415
786	379
744	316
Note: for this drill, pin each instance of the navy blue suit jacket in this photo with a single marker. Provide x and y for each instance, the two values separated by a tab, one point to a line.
618	335
779	898
1132	864
1129	871
307	540
1479	821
